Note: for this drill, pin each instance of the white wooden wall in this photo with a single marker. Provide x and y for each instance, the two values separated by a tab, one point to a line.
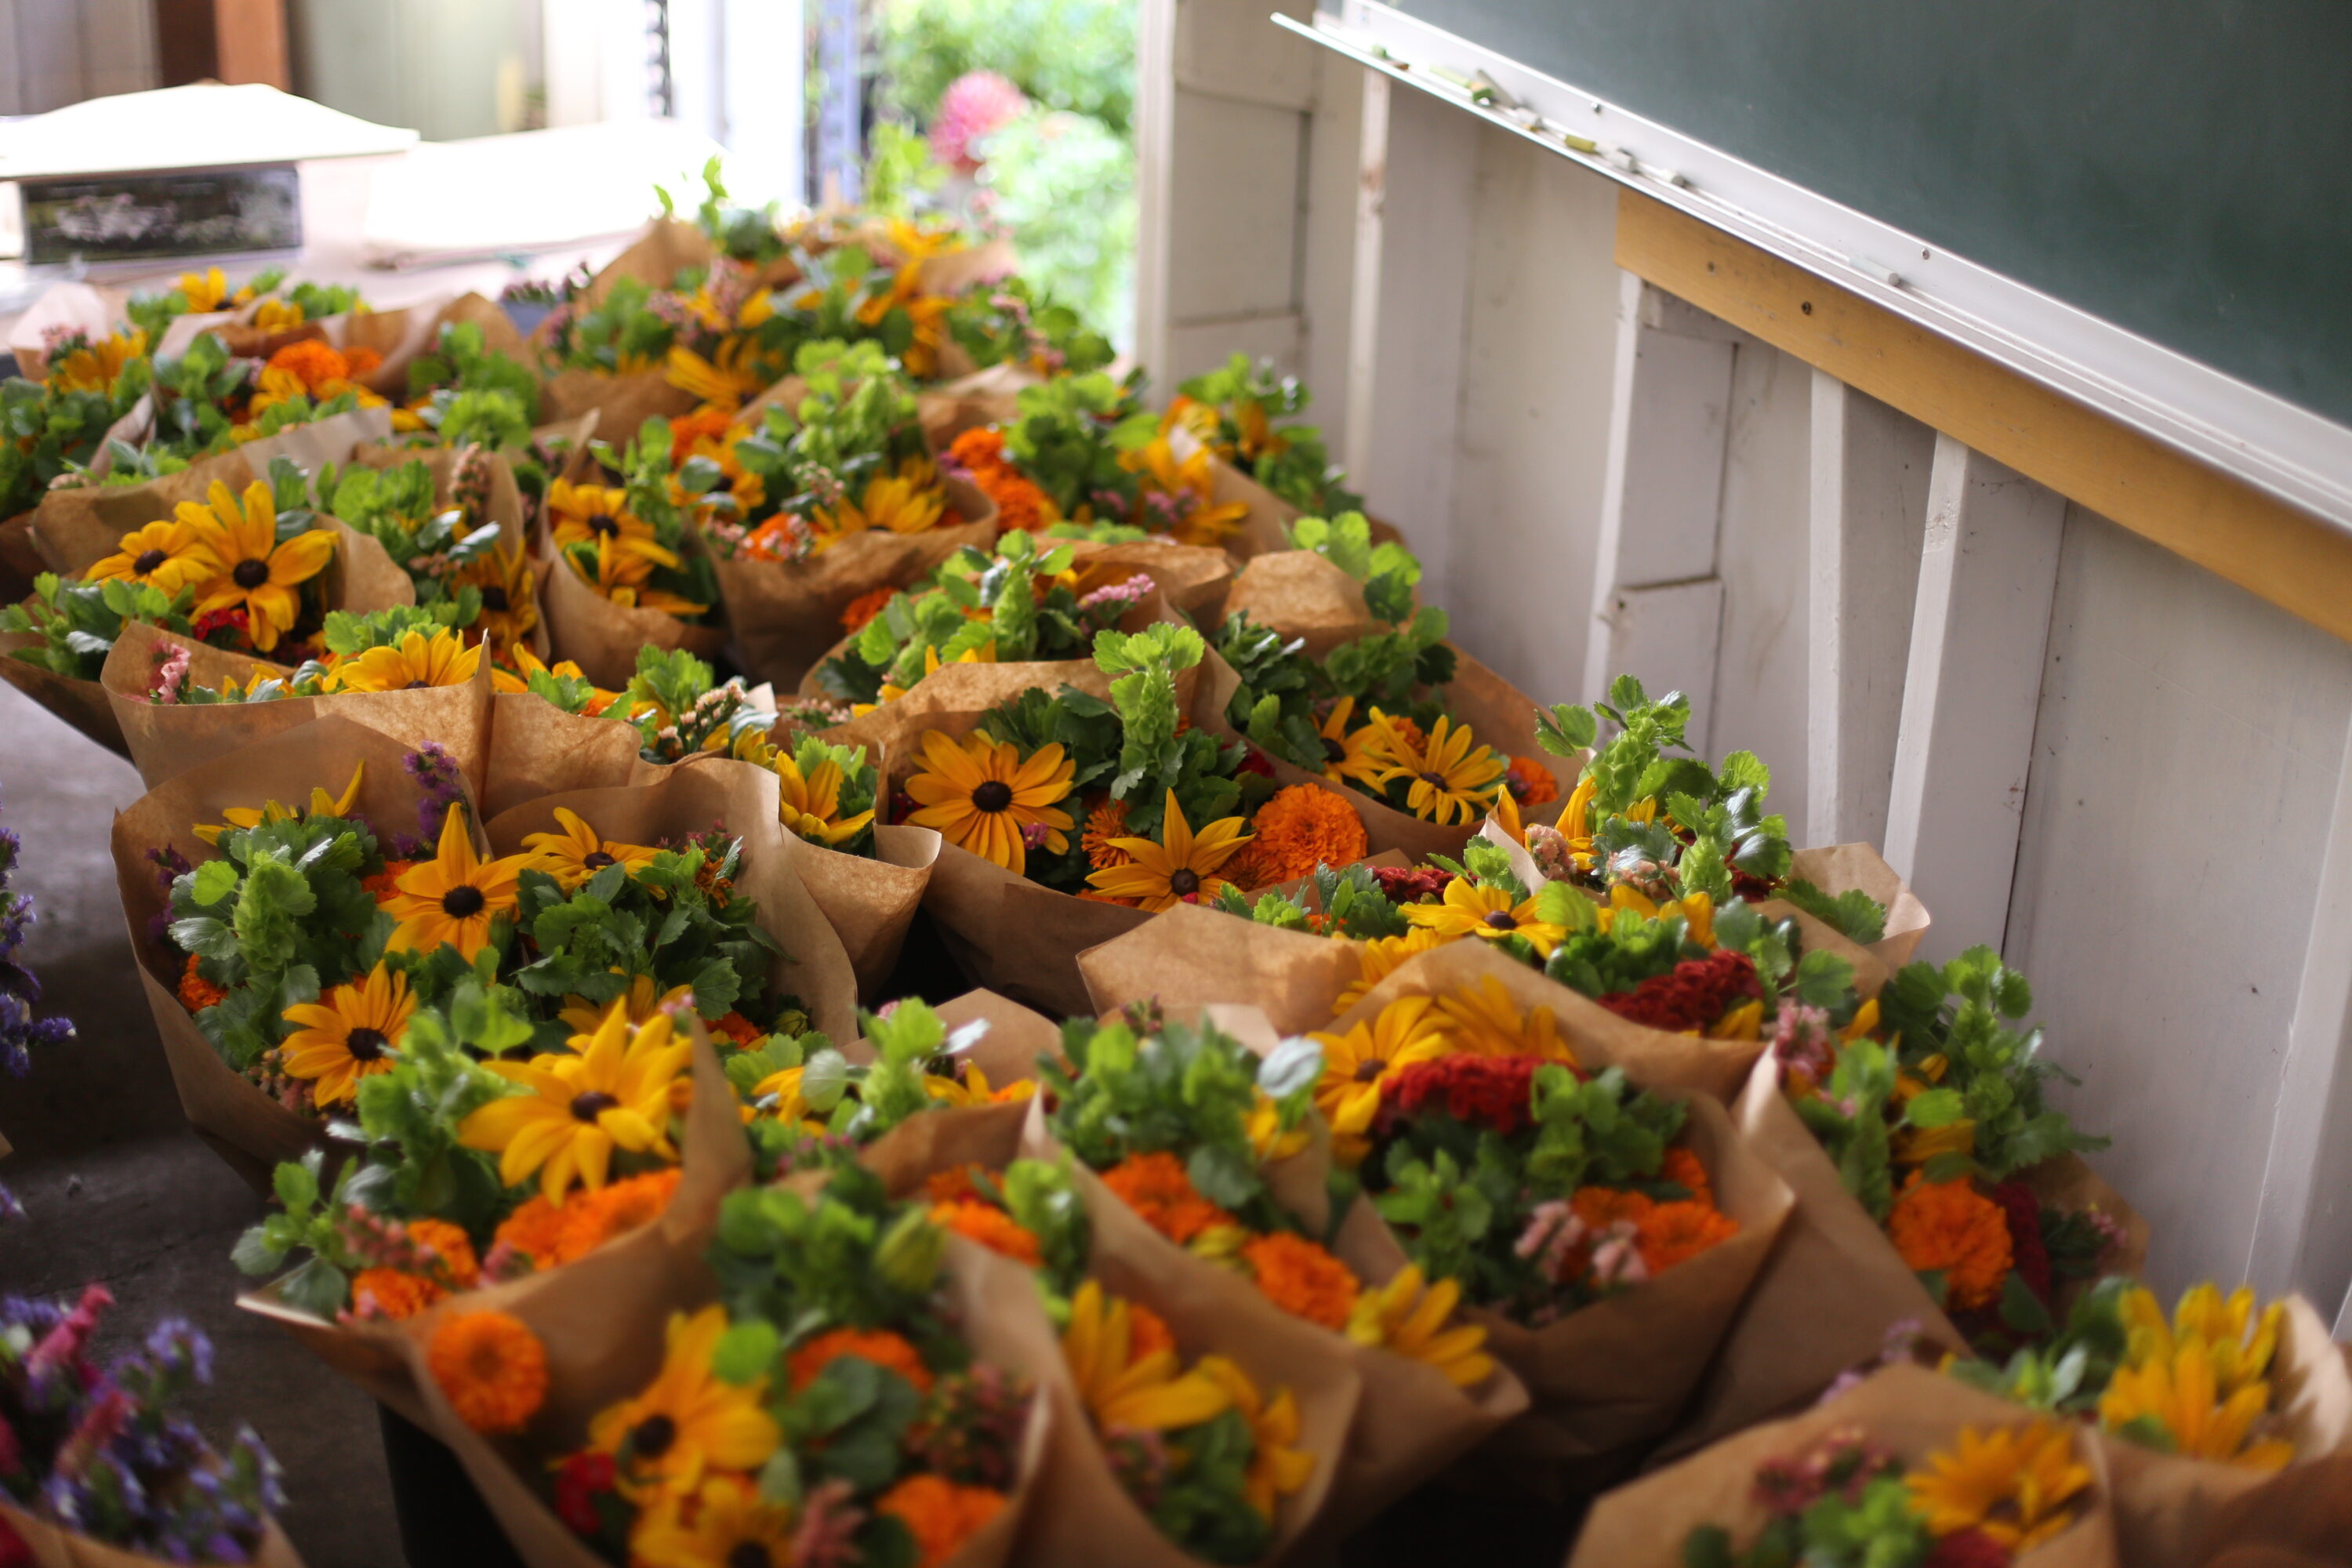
55	52
2128	776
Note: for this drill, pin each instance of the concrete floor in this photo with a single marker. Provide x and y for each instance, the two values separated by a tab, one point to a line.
118	1190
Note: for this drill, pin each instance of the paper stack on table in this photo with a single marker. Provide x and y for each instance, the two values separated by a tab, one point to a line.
203	126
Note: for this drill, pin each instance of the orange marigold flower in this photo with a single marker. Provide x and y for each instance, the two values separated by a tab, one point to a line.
1950	1227
316	363
491	1367
940	1514
1147	1332
382	886
379	1294
1683	1168
1300	827
1020	504
1302	1278
989	1226
738	1028
951	1185
451	1245
883	1348
358	362
1677	1232
1601	1207
982	446
1156	1187
1530	783
706	424
590	1219
865	607
197	992
536	1230
1105	822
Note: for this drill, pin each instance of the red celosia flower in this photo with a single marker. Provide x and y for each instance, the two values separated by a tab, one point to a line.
1481	1091
1968	1549
1255	761
1413	884
204	626
2027	1253
1698	992
579	1482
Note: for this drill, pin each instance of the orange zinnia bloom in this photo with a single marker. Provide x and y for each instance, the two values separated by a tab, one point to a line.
492	1368
387	1293
1950	1227
1156	1187
940	1514
883	1348
1302	1278
1677	1232
1683	1168
989	1226
1300	827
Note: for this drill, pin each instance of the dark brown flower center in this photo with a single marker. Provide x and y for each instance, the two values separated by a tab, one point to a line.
651	1438
749	1554
462	902
1502	919
149	560
603	522
993	796
251	575
1435	781
1333	751
587	1106
595	859
1185	882
494	599
1367	1071
365	1045
417	685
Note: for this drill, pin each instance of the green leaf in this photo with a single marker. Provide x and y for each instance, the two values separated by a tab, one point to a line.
1935	1108
745	1352
1222	1175
215	881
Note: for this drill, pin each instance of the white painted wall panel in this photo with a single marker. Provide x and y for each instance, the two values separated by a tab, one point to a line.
1761	557
1197	346
1227	48
1234	208
2186	760
1327	267
1534	433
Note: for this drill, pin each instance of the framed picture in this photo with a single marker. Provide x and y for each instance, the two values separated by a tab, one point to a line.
102	218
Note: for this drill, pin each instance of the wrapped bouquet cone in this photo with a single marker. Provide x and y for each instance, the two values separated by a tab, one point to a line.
602	637
1301	594
986	1135
871	901
168	739
713	1160
51	1547
230	1111
1190	957
1843	866
80	703
1907	1410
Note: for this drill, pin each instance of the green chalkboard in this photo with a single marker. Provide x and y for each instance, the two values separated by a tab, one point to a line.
2182	168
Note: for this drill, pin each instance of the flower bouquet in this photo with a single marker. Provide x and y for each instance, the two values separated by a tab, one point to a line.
1171	1443
2192	1411
102	1471
621	568
1022	883
1193	1147
836	499
1902	1469
978	1060
1232	411
862	1390
471	381
453	519
1591	1200
1936	1188
256	995
1029	606
897	281
475	1176
58	424
1425	739
1334	585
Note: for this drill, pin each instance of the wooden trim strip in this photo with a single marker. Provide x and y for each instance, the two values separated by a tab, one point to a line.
2294	560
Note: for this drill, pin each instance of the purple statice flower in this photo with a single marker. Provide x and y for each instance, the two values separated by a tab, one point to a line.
60	1356
10	1208
436	772
20	1031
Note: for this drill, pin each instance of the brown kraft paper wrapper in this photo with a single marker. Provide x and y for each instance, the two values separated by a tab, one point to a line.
785	615
80	703
504	508
622	401
687	798
1301	594
986	1135
244	1125
990	396
1842	867
713	1160
166	739
1609	1379
604	1347
536	749
1500	718
55	1548
1082	1515
602	637
1191	956
422	332
1908	1409
2166	1504
871	900
1827	1300
1187	578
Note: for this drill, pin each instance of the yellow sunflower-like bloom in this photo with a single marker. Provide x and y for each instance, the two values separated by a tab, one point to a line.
96	366
810	806
726	383
1449	781
2180	1398
168	554
278	315
983	795
508	584
723	1523
206	291
1698	910
256	571
575	852
1185	487
453	898
639	1004
321	805
1487	912
612	1091
1162	876
594	514
625	577
2220	1324
912	502
1408	1315
1120	1388
1351	754
688	1422
441	659
347	1037
1356	1064
1279	1467
2011	1483
1485	1020
1380	957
